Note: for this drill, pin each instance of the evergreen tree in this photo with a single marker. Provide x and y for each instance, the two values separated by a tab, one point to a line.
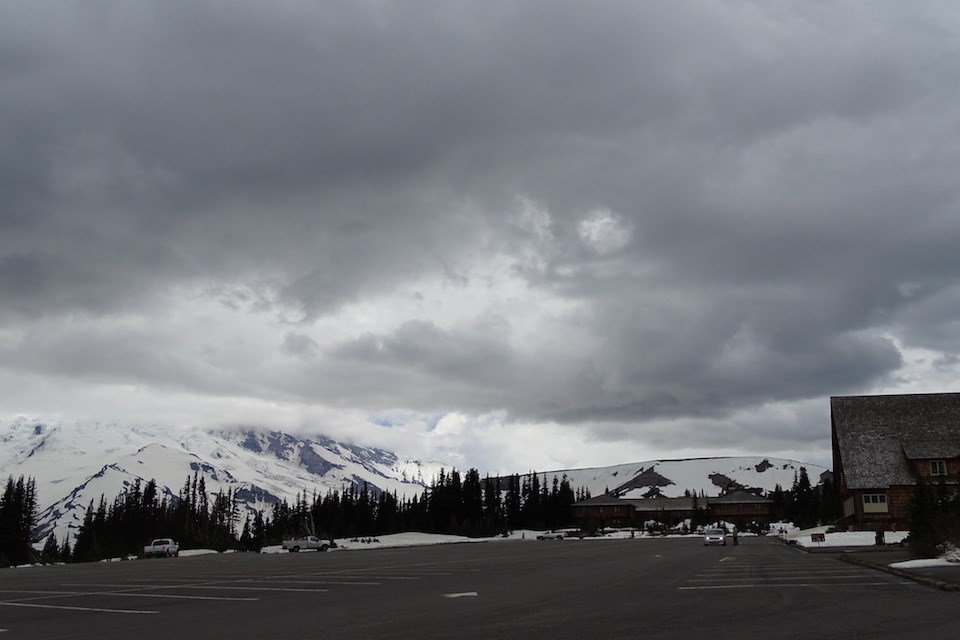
513	502
18	507
66	553
51	550
922	514
472	493
492	505
86	547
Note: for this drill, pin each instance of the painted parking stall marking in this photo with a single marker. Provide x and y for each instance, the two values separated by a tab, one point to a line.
37	605
805	585
767	571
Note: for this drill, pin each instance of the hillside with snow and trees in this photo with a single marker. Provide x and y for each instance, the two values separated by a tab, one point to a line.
86	491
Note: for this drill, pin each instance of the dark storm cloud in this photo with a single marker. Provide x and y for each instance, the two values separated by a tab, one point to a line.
780	182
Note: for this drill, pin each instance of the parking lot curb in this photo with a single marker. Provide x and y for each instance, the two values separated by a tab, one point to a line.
924	580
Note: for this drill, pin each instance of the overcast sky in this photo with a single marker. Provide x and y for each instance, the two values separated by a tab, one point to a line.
508	235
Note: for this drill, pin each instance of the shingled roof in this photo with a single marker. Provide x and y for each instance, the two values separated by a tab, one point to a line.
740	497
877	436
667	504
603	500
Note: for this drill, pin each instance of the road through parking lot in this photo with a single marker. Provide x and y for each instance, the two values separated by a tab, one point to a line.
669	588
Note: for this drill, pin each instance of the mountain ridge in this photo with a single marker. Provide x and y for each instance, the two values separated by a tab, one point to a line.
75	464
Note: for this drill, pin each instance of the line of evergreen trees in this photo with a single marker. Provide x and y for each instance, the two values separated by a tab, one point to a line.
140	513
453	504
806	505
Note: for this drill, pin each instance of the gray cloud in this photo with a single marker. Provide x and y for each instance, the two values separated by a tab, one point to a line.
300	346
780	180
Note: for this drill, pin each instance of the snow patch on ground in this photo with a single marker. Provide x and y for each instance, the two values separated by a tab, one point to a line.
950	558
802	537
923	564
410	539
198	552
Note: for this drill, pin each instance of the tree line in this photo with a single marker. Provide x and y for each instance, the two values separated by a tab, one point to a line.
18	508
804	504
454	503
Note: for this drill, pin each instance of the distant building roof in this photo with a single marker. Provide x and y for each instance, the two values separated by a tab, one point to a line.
603	500
877	436
740	497
667	504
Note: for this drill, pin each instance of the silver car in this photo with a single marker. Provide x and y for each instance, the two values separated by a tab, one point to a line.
714	536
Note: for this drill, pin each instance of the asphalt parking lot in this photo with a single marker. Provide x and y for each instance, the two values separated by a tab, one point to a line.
671	588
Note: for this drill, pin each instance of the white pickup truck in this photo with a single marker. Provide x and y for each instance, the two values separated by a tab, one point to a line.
162	548
310	542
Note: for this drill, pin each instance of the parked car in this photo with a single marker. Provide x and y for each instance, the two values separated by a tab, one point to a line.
310	542
162	548
714	536
551	535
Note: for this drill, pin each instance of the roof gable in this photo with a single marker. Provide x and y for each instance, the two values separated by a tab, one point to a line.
877	436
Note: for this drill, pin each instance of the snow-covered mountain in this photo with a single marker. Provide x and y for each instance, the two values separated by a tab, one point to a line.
74	464
709	476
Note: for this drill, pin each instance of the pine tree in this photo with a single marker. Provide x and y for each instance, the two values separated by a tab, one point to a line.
922	514
66	553
51	550
18	507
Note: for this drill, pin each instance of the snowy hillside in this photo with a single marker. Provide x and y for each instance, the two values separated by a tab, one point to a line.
76	463
670	478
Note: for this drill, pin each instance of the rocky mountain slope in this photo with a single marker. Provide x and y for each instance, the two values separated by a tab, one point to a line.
75	464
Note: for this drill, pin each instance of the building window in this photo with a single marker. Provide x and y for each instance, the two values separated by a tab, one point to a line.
874	503
938	467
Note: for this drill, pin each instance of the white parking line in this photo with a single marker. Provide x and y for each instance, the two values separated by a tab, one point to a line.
811	572
202	585
48	595
778	578
238	588
782	586
465	594
379	577
336	582
55	606
46	592
167	595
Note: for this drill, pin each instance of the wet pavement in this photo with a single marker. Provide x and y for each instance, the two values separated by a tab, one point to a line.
880	558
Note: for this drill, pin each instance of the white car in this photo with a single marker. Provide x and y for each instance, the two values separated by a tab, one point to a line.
162	548
551	535
310	542
714	536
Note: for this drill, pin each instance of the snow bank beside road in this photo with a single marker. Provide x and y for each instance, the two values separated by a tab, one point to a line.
923	564
803	538
387	541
